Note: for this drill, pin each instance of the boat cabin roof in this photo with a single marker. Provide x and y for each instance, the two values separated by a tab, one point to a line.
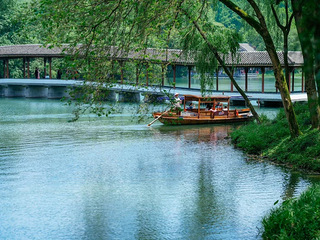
207	99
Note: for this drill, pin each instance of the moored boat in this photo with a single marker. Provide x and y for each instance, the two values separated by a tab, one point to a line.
209	110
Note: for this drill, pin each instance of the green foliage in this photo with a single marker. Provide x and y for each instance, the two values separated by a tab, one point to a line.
302	152
272	139
297	219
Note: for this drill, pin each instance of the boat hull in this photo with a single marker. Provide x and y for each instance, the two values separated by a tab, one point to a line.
186	120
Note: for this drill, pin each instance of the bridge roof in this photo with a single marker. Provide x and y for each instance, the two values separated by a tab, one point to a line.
244	58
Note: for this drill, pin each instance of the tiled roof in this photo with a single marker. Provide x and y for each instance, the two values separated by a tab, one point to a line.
175	56
29	50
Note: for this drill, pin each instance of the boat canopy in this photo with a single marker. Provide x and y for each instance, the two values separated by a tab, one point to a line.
207	99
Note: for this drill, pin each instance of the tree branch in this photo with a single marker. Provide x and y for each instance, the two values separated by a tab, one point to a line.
244	15
283	28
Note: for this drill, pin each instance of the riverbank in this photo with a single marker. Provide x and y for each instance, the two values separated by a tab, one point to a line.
295	218
271	140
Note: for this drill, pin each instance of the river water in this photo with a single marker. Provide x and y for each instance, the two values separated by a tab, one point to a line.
117	179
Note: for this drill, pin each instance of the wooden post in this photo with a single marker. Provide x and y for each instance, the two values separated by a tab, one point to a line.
189	76
199	108
246	70
262	80
162	75
50	67
289	81
292	79
121	71
4	68
302	81
174	76
24	67
217	79
28	67
112	70
232	72
137	74
7	68
147	74
45	67
275	84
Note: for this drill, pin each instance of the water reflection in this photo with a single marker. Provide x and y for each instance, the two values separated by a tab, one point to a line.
113	179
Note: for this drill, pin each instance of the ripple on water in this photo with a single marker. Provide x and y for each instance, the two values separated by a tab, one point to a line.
114	179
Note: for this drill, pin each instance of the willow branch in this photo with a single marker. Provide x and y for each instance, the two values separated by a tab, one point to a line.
283	28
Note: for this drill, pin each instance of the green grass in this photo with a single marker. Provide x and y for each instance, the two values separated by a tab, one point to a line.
272	139
295	218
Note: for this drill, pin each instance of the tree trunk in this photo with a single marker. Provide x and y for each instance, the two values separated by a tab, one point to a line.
281	84
261	27
308	56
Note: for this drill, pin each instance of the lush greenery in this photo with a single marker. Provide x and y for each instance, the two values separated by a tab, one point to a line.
272	139
295	218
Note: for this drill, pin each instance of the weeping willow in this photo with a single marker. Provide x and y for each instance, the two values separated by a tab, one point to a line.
99	32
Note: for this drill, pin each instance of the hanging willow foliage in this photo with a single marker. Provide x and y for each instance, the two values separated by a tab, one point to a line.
97	32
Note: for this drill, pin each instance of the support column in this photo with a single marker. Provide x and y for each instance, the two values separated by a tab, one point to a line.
189	76
289	81
121	70
246	70
7	68
162	75
4	68
112	70
174	76
262	80
232	71
28	67
217	79
137	74
24	67
44	67
147	74
292	70
302	81
50	67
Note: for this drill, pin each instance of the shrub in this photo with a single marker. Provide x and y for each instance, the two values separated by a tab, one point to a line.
272	139
295	218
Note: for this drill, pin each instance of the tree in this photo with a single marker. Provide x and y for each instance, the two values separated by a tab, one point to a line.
259	24
306	17
133	25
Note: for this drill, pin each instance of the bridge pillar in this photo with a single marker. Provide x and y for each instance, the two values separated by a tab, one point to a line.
154	98
107	95
15	91
36	91
2	91
58	92
129	97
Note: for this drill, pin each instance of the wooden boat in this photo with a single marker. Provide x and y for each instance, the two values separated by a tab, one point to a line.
208	111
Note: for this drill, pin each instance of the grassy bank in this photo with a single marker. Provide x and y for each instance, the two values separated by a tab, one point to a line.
295	218
272	139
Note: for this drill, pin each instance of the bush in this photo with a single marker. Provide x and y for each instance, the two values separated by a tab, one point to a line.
272	139
295	218
255	139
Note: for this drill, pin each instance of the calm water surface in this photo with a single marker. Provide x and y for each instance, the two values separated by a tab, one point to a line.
117	179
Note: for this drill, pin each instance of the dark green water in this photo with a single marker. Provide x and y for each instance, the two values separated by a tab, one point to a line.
116	179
